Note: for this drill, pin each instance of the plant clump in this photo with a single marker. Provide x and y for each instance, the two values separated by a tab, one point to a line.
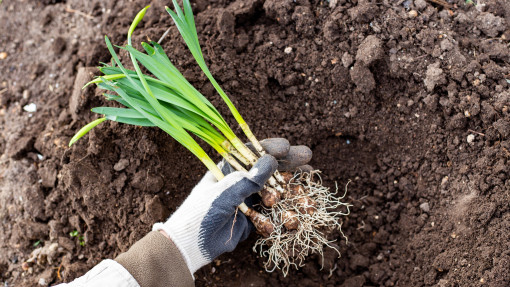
297	211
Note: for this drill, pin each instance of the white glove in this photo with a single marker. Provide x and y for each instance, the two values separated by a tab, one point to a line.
203	227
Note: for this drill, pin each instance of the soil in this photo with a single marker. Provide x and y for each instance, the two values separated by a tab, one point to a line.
407	100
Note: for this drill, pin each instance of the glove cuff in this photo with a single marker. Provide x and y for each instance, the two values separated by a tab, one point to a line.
187	243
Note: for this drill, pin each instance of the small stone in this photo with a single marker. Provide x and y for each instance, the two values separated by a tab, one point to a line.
121	165
434	76
31	108
3	55
288	50
463	262
470	138
420	4
425	206
413	14
347	60
370	50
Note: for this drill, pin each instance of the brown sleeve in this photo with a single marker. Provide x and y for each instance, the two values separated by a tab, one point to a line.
155	261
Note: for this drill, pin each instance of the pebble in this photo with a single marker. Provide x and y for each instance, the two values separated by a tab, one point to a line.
413	14
347	60
25	266
26	94
31	108
288	50
420	4
3	55
122	164
470	138
425	206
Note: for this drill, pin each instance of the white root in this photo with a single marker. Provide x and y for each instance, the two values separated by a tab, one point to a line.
285	248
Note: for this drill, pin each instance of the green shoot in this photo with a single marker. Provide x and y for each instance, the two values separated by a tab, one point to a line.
167	101
143	108
83	131
37	243
81	239
186	26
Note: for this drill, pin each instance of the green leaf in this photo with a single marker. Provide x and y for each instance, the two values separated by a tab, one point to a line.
119	112
83	131
186	26
159	65
137	20
132	121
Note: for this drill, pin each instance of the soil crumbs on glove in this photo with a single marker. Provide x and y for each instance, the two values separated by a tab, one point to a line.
408	100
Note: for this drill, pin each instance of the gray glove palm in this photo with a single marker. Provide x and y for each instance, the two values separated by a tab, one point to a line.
202	227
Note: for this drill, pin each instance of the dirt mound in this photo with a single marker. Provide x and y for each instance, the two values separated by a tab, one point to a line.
407	99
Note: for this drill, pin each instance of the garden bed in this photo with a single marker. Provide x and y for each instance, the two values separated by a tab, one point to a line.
411	108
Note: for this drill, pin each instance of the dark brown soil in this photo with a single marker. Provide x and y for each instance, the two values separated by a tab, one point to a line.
412	108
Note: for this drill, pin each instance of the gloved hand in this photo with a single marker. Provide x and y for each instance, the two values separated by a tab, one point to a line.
203	227
290	158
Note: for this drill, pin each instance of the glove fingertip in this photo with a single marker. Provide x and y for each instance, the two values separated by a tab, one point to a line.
263	169
277	147
301	153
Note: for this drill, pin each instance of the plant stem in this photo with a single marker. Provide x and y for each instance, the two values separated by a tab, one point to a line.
249	134
246	152
231	149
213	168
233	162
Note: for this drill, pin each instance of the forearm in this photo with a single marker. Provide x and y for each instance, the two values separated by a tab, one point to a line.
155	261
152	261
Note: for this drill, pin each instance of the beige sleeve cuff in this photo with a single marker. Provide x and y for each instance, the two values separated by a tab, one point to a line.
155	261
